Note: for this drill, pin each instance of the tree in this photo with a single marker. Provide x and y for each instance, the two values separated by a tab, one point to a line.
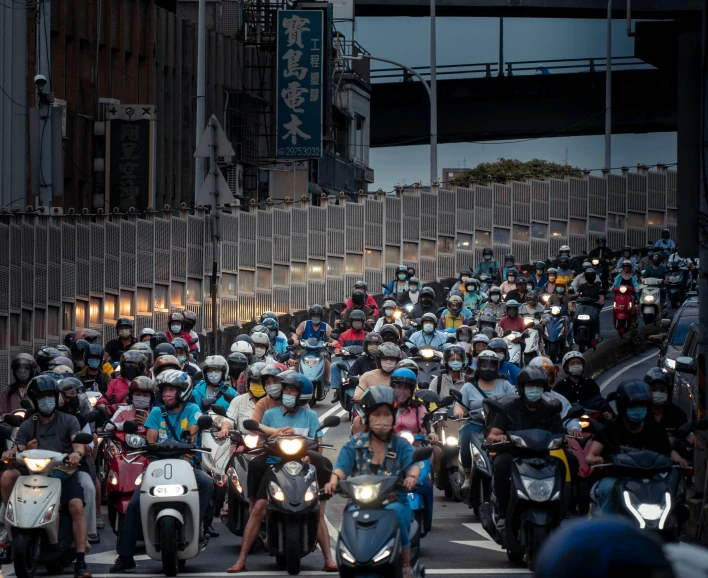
514	169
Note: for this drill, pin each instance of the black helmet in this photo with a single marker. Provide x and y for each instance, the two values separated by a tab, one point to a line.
487	251
138	365
237	363
316	311
164	349
427	293
372	339
626	250
301	382
414	281
601	241
541	265
43	356
401	269
631	392
658	374
564	262
95	351
156	339
361	285
57	361
665	234
41	384
69	339
190	320
509	257
532	297
24	368
389	333
465	272
358	297
376	396
521	280
70	384
531	374
79	350
656	259
357	315
124	322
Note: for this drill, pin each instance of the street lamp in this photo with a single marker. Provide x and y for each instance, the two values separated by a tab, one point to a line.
432	95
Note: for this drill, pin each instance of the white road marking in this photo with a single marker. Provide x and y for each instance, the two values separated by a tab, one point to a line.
330	411
304	574
487	543
619	372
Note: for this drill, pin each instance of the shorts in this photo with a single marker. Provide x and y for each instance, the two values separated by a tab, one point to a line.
71	490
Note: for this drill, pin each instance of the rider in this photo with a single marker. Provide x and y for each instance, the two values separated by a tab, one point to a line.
520	290
655	270
564	273
488	266
358	303
604	254
261	344
665	245
125	340
464	334
630	428
580	277
563	251
512	321
278	340
378	450
141	398
627	277
175	328
645	261
455	314
190	320
550	287
132	364
591	288
242	407
93	376
182	355
390	308
561	299
146	334
480	342
367	362
461	284
237	362
455	359
412	296
532	306
173	419
53	431
351	337
539	278
369	301
495	303
44	356
23	368
627	254
315	327
509	265
428	336
289	419
510	281
528	411
668	415
473	299
425	304
500	347
577	388
399	284
388	355
216	384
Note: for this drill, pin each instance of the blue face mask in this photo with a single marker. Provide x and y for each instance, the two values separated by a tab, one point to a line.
182	358
47	405
636	414
94	363
402	277
533	394
455	365
560	290
289	400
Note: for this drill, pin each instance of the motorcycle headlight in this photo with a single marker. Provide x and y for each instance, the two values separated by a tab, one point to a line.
670	363
36	465
648	512
250	441
10	512
111	449
427	353
233	476
48	514
451	441
113	478
538	490
346	554
311	492
584	421
384	553
528	321
623	288
517	441
479	462
396	314
408	436
135	440
219	479
545	298
595	262
313	361
366	493
583	317
649	298
276	492
555	310
290	446
139	480
555	444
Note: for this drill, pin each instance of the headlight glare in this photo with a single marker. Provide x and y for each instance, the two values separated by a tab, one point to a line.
36	465
538	490
366	493
290	446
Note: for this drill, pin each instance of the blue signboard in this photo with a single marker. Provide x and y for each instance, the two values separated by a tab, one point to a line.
300	84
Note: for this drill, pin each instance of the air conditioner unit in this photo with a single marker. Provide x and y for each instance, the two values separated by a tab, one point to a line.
235	179
59	103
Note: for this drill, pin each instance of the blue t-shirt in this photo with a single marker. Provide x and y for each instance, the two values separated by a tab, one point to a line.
200	392
180	422
304	421
510	370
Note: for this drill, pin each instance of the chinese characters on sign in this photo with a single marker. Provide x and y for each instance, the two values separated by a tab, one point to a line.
299	90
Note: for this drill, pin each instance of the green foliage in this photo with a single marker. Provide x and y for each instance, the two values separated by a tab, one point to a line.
514	169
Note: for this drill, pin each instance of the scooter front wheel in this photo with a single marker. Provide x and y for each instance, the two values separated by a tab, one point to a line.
292	548
169	538
25	552
535	537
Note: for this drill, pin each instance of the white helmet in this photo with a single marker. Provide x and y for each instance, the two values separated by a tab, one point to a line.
547	365
216	362
260	341
242	347
480	338
572	355
564	248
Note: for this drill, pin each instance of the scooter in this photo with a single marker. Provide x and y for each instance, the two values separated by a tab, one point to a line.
421	500
169	499
650	300
369	542
517	343
428	361
349	355
554	333
244	449
585	323
293	512
485	284
39	527
532	342
624	311
312	365
678	283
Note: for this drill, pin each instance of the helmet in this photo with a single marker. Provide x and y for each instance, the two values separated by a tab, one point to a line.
357	315
259	329
547	365
509	257
480	338
260	341
244	348
401	269
68	384
96	350
490	358
179	343
389	350
463	331
521	280
190	320
124	322
552	271
656	259
358	297
541	265
414	281
372	339
137	361
650	248
389	304
562	283
626	250
64	350
564	262
512	273
268	315
316	311
494	291
178	379
216	362
165	362
79	350
142	383
454	303
404	377
69	339
143	348
157	339
631	392
60	361
665	233
272	326
301	383
268	370
658	374
512	306
90	335
529	375
376	396
389	334
571	355
429	317
427	293
487	318
532	297
175	318
164	349
237	362
607	546
564	249
43	356
498	343
487	251
408	364
626	263
41	384
147	332
465	272
454	349
254	371
361	285
24	368
601	241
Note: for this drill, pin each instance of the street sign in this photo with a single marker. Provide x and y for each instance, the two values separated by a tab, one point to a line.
221	188
223	146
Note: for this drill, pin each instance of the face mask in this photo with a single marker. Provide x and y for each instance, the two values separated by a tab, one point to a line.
487	257
539	272
389	312
501	355
426	301
575	370
73	402
488	374
455	365
590	278
259	352
533	394
636	414
403	395
257	390
357	325
381	426
141	402
274	390
182	358
214	377
512	313
22	375
529	287
560	290
471	289
175	328
403	277
464	339
130	372
124	333
169	398
316	320
388	365
495	298
413	288
659	397
464	279
289	400
94	363
47	405
510	279
428	327
626	253
373	348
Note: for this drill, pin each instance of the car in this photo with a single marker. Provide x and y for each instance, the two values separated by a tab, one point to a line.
671	343
686	393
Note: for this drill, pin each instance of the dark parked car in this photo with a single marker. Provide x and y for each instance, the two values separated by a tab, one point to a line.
671	343
687	393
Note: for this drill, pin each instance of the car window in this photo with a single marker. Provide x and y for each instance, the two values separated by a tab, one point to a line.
681	327
689	347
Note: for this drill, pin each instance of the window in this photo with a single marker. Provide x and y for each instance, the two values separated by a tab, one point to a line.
636	220
298	272
95	307
15	327
82	314
392	255
126	302
264	278
615	221
539	230
597	224
27	325
281	275
446	245
559	229
672	217
501	236
3	333
656	218
67	318
246	282
355	263
160	297
410	251
578	227
110	307
427	249
229	283
521	233
52	322
465	242
372	259
316	271
681	327
194	290
482	239
177	294
359	123
39	318
335	266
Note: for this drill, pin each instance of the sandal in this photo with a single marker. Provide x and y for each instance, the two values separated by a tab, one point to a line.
237	569
330	567
100	524
94	539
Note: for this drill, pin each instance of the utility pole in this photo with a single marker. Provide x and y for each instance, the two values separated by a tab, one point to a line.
201	93
433	99
213	168
608	90
501	47
43	83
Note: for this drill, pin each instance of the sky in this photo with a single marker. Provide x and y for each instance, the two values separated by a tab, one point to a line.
471	40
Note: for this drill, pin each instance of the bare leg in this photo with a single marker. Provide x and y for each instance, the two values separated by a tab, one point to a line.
323	536
250	532
78	524
7	482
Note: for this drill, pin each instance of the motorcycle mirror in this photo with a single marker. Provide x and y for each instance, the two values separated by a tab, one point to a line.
251	425
337	312
684	430
83	438
293	329
130	427
446	401
596	427
665	323
353	381
330	421
423	385
574	412
451	339
218	409
92	416
429	396
103	412
334	335
422	454
228	396
383	285
291	347
456	395
12	420
205	422
342	366
193	341
207	402
656	340
412	348
26	404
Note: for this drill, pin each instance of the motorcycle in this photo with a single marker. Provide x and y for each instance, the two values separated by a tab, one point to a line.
421	499
585	323
428	361
677	284
40	529
517	343
293	512
169	511
554	333
349	355
532	343
485	284
369	542
624	310
312	365
599	266
244	449
650	300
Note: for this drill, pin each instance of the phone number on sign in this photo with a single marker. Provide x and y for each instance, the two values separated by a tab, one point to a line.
300	152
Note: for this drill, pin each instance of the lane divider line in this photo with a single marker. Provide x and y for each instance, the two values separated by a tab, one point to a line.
619	372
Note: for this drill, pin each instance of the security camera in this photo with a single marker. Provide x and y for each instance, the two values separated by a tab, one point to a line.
40	81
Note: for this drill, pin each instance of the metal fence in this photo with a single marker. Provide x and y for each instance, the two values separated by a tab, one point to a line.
61	272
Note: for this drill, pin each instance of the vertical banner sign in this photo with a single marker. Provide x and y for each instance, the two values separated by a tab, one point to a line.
299	86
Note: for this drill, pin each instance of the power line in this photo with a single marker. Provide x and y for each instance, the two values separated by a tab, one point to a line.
10	98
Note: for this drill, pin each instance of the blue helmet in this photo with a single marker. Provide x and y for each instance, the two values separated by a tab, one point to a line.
301	383
405	377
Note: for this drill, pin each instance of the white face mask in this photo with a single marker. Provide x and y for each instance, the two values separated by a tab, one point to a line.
125	333
388	365
428	327
501	356
259	351
575	370
214	377
494	298
659	397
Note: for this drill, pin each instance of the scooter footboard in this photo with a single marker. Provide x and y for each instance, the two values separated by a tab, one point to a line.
364	534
